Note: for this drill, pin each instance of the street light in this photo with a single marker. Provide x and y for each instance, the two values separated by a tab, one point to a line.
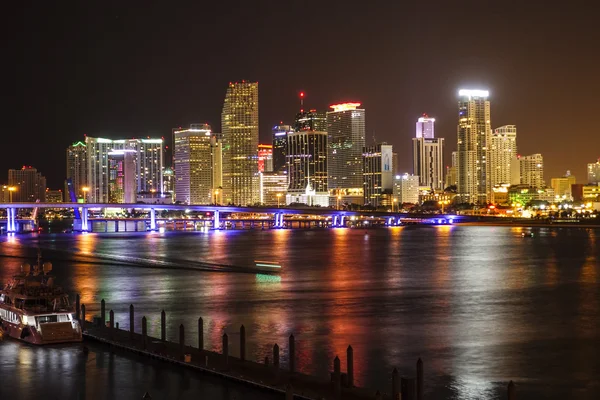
443	202
85	191
394	201
278	197
11	189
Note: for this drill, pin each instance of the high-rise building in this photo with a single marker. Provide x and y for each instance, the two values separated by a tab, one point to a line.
122	185
307	160
148	161
346	140
428	161
311	120
532	171
196	159
265	158
473	134
503	151
28	185
406	189
425	127
54	196
280	146
378	174
593	173
76	169
452	171
562	185
169	181
239	121
273	187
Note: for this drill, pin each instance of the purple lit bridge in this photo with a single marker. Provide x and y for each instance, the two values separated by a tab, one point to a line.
217	217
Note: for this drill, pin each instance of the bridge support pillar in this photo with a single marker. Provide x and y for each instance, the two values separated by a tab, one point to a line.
342	224
84	220
335	221
153	219
281	221
216	220
11	223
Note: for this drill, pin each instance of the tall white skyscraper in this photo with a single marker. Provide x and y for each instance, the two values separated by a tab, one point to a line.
239	120
532	171
425	127
593	173
474	136
76	169
406	189
503	151
428	155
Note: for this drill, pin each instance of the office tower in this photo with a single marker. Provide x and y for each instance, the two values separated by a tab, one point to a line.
311	120
425	127
28	185
503	151
562	185
378	173
122	184
428	158
265	158
148	161
216	145
195	154
54	196
593	173
273	187
532	171
395	163
239	121
307	163
452	171
76	169
169	181
406	189
473	134
280	147
346	139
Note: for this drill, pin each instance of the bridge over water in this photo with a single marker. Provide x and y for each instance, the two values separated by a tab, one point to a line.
219	216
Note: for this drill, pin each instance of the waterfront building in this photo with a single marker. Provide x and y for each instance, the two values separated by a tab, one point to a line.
280	147
593	172
307	163
76	169
197	164
346	140
406	189
265	158
122	186
562	186
311	120
590	193
428	161
521	195
425	127
28	185
532	171
503	151
147	157
239	122
473	138
452	171
169	181
378	174
54	196
273	188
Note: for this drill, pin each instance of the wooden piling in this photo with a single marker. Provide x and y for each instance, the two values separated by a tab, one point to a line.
337	378
395	383
131	322
111	319
200	333
103	312
242	343
181	341
144	333
163	326
289	392
419	379
267	361
512	391
226	349
276	355
77	307
82	316
407	388
350	365
292	353
377	395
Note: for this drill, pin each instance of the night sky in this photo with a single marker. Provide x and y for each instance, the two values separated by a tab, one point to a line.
136	69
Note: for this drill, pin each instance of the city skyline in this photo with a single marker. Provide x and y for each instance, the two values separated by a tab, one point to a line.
135	100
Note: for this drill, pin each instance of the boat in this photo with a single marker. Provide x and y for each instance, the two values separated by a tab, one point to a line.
267	266
34	310
527	234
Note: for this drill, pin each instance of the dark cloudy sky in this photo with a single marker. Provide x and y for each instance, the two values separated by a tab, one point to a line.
131	69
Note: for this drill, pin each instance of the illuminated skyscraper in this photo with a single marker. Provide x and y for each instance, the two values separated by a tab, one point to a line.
452	171
562	186
346	140
265	158
76	169
307	155
122	187
474	136
311	120
196	160
532	171
378	175
406	189
280	146
239	121
503	151
29	184
593	173
425	127
428	155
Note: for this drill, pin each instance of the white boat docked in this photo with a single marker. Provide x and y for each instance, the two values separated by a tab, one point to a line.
36	311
